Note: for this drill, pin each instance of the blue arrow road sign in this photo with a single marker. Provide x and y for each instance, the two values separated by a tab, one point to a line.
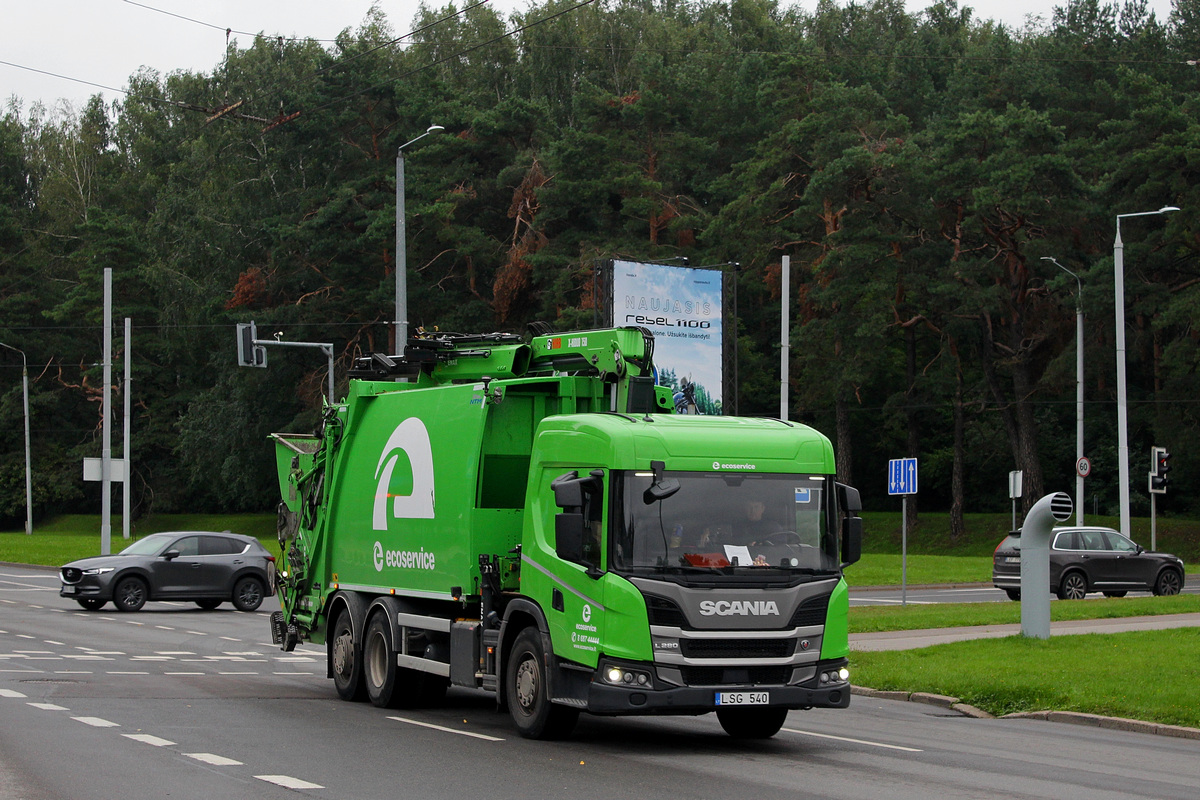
902	476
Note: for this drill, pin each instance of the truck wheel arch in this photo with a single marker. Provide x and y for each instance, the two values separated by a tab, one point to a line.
519	614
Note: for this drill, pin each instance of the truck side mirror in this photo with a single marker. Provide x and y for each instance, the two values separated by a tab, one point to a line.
851	540
848	499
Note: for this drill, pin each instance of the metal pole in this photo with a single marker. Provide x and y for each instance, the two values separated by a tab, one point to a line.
1079	407
125	512
904	550
1153	518
1122	399
785	344
106	429
28	468
401	321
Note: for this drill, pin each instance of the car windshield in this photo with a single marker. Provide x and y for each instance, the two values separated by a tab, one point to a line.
719	523
150	546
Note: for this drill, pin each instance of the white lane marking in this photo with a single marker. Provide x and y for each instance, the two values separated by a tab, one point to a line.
298	659
128	621
126	673
293	674
889	602
164	627
59	610
447	730
197	633
237	673
854	741
49	707
174	652
110	619
96	722
215	760
25	636
72	672
23	671
230	639
288	782
146	738
56	644
11	693
151	658
86	657
185	673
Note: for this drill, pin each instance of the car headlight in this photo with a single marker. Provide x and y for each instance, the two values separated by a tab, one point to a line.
98	570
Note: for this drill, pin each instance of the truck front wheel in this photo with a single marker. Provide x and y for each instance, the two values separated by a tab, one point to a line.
345	658
751	723
526	691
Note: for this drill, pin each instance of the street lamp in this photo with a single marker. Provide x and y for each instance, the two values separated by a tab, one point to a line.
401	321
28	470
1078	389
1122	424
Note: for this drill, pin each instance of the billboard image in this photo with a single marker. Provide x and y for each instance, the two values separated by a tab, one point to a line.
681	306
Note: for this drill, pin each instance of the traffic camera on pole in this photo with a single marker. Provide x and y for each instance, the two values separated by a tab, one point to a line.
1159	467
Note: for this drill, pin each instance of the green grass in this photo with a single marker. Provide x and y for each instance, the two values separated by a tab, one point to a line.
1147	675
72	536
885	569
874	619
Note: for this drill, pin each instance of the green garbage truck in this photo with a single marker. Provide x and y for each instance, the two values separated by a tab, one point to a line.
527	516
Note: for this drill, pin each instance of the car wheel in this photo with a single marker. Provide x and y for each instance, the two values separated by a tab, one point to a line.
1169	583
345	659
751	723
90	603
247	594
1073	586
1013	594
525	689
208	605
1115	594
130	594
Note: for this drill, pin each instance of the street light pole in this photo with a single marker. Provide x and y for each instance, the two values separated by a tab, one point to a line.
401	321
28	469
1078	388
1122	399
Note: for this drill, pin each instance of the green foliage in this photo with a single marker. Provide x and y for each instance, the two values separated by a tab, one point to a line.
915	167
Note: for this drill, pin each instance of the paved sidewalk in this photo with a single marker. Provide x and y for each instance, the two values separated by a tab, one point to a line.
907	640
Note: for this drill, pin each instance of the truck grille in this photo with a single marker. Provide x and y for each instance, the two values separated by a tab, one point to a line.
727	676
662	611
811	612
737	648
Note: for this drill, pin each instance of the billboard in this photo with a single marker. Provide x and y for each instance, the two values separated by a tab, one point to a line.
681	306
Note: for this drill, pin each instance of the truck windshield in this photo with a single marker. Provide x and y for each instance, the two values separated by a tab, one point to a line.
724	523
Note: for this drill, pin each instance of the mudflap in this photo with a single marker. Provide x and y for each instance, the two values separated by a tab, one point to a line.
283	634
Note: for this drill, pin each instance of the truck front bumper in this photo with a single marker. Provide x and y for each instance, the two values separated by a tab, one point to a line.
658	696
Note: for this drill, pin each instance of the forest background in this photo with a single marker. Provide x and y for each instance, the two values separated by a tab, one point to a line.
917	169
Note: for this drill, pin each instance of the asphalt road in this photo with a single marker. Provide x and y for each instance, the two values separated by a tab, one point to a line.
176	702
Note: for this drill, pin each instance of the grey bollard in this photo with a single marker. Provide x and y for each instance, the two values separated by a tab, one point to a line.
1035	562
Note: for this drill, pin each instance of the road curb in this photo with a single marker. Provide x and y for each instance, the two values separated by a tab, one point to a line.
1069	717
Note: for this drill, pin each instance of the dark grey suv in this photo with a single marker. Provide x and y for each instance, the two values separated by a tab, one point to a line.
1088	559
208	568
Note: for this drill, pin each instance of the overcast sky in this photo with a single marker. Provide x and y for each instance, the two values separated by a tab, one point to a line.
106	41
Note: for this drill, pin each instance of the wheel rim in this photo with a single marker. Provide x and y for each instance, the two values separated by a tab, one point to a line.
131	593
249	593
375	659
1169	583
527	684
1076	589
342	653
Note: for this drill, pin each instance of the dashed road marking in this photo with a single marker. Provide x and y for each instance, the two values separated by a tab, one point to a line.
146	738
185	673
118	672
96	722
215	760
49	707
10	693
854	741
288	782
472	734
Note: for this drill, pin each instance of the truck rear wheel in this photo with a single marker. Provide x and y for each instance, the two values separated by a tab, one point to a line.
525	690
379	662
751	723
345	658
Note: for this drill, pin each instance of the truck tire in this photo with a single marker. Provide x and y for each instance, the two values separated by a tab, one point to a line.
751	723
345	659
525	690
379	662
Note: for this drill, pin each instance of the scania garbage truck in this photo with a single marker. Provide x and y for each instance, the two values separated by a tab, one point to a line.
527	516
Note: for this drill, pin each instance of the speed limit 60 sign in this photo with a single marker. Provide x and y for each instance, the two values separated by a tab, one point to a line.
1083	467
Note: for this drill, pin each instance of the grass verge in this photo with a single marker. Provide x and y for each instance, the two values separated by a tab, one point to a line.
1146	675
875	619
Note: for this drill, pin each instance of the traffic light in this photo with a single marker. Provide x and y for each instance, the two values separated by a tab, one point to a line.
1159	467
249	354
